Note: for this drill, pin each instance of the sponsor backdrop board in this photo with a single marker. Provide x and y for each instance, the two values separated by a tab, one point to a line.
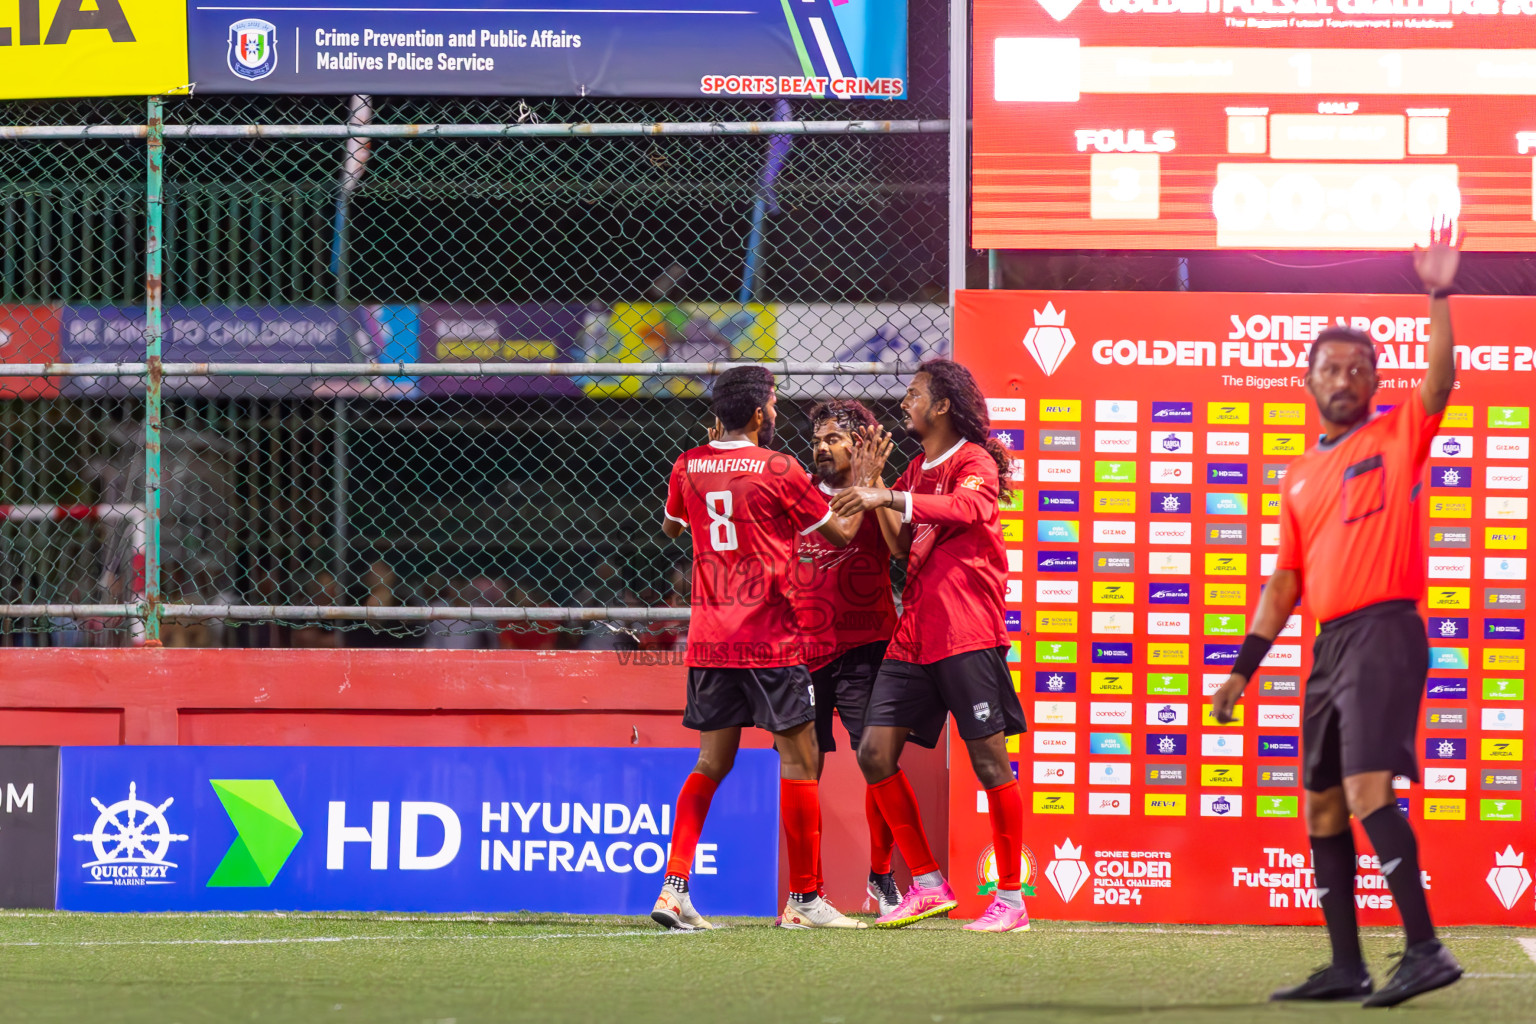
29	825
832	49
572	830
1151	433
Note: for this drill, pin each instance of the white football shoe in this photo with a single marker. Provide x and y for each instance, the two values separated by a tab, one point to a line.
819	913
674	910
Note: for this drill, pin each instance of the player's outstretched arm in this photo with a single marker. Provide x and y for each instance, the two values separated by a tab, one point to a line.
1436	266
1275	606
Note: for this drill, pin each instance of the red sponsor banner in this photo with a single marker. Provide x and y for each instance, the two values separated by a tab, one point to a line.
29	334
1150	433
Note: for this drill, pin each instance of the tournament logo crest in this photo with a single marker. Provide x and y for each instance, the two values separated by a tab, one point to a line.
252	48
986	871
1049	341
1067	873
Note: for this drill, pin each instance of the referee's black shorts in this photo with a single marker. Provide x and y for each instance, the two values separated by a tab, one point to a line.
844	684
974	686
1361	712
776	699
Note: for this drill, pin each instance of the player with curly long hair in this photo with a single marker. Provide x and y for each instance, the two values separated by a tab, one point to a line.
949	652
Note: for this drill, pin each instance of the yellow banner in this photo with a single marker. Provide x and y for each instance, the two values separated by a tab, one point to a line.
93	48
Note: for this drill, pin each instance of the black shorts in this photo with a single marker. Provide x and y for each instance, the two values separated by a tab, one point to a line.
776	699
845	683
1362	706
974	686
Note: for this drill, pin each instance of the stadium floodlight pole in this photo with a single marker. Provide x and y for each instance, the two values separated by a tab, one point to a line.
959	133
153	333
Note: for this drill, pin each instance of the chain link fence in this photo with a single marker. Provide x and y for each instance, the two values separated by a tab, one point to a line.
368	389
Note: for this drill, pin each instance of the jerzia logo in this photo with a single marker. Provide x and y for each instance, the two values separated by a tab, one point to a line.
1049	341
131	839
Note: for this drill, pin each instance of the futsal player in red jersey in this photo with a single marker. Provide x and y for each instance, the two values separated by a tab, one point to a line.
949	651
843	598
1352	542
747	507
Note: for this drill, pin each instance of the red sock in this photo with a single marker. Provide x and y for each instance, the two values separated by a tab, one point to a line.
692	808
821	881
880	838
898	806
800	807
1006	810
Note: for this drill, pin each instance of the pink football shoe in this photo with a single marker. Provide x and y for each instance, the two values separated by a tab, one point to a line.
920	903
1000	917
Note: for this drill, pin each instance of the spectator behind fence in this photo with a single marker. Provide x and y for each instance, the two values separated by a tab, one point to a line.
464	634
325	592
528	636
606	589
380	585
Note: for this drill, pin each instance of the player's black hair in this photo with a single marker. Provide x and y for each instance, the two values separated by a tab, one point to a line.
739	392
847	413
1345	334
967	410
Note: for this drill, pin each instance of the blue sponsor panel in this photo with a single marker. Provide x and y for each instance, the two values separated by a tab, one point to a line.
1011	439
1170	503
1114	744
1504	629
1056	561
1173	412
1113	654
1448	628
1059	501
1446	689
1055	682
572	830
1221	654
1226	472
1013	621
1445	750
1168	593
1226	504
1279	746
1167	744
1450	476
856	49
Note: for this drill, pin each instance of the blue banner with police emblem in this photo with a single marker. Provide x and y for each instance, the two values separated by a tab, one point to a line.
570	830
808	49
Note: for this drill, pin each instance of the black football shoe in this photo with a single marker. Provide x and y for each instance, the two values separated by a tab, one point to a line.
1423	968
1329	984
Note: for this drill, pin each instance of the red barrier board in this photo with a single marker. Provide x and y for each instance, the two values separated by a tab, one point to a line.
1251	124
29	334
1150	433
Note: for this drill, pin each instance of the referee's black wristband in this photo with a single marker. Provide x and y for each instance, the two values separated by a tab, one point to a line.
1252	652
1446	292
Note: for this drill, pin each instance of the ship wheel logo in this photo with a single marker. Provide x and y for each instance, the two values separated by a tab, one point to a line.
130	840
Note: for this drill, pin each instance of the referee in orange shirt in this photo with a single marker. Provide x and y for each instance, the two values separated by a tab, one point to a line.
1351	538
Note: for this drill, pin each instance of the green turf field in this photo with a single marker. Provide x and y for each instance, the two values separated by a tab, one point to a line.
364	968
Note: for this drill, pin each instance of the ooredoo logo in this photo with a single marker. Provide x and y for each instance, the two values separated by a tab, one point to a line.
1049	341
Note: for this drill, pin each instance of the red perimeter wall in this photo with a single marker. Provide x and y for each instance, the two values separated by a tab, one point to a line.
409	698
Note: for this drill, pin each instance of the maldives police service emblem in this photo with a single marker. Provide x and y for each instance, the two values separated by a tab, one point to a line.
253	48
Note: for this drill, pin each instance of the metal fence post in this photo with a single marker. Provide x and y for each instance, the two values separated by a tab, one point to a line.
153	332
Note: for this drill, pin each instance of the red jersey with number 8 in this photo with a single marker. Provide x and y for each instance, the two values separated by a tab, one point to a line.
746	507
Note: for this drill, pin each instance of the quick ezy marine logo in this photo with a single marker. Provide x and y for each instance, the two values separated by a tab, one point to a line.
131	840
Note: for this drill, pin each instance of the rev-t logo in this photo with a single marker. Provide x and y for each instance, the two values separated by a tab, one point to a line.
70	16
